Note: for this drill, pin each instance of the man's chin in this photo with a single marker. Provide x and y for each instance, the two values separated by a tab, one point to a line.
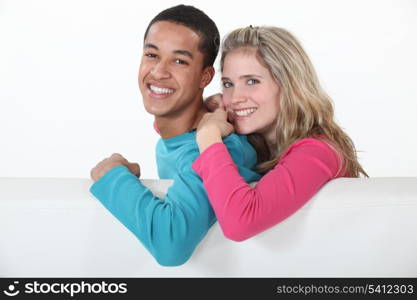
154	110
157	113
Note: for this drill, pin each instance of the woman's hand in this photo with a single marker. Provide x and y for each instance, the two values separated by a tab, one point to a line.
216	122
212	128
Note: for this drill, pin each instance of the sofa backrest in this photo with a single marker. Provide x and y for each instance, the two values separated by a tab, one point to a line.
351	228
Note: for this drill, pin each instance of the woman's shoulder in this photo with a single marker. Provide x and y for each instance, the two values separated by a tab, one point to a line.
311	144
317	148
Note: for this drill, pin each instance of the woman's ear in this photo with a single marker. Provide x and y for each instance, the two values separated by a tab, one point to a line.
208	74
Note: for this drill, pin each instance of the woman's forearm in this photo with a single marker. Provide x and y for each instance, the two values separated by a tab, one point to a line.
243	211
208	136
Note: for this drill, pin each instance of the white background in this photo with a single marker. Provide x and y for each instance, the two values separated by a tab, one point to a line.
69	95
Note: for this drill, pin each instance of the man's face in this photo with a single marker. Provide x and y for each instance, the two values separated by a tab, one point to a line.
171	75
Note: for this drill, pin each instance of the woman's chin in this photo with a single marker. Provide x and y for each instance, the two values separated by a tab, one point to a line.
243	130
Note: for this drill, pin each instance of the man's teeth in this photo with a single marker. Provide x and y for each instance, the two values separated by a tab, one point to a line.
158	90
245	112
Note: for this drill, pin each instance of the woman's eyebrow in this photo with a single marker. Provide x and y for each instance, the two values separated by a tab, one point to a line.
250	75
244	76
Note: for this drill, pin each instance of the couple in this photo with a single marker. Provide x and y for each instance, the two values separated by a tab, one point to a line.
270	93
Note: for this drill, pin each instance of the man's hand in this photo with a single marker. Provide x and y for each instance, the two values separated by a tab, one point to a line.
214	102
113	161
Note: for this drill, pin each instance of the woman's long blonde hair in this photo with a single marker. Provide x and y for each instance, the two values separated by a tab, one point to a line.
305	109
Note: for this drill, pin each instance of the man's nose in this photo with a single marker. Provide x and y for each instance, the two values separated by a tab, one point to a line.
160	71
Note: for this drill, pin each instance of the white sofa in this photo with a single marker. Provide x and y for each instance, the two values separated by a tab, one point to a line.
351	228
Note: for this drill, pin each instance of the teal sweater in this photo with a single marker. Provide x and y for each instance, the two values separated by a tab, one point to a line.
169	228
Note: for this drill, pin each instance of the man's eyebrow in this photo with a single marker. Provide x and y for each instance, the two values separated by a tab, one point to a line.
185	53
181	52
149	45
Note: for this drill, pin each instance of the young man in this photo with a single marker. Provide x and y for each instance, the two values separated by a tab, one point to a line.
180	46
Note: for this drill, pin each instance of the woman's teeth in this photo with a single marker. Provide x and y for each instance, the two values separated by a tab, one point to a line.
160	91
245	112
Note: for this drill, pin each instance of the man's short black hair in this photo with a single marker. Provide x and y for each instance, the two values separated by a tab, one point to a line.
197	21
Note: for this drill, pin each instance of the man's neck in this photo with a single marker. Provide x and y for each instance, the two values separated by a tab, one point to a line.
173	126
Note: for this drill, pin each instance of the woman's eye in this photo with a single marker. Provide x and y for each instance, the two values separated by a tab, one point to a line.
181	62
227	84
252	81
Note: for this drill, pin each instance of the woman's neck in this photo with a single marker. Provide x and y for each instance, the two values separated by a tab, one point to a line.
270	137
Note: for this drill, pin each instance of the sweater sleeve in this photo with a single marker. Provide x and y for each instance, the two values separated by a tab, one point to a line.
244	211
170	228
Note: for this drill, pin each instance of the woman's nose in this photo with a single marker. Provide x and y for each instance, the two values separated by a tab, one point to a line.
238	95
237	99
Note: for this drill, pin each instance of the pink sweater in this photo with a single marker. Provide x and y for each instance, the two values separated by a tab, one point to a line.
244	211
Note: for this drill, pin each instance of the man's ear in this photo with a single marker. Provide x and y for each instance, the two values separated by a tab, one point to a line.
208	74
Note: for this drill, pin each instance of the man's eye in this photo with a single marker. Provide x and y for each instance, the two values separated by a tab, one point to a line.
150	55
252	81
181	62
227	84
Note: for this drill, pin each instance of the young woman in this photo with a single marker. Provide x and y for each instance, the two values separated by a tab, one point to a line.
270	93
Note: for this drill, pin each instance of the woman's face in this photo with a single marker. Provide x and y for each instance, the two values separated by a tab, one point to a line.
250	94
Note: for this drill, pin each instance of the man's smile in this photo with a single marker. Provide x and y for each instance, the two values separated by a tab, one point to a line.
159	92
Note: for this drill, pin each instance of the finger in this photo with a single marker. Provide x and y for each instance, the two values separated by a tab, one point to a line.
230	116
116	157
119	157
134	168
219	99
93	174
205	117
231	128
221	105
221	113
211	104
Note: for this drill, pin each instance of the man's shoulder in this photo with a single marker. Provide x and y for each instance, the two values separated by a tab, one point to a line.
240	149
236	138
181	150
238	143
